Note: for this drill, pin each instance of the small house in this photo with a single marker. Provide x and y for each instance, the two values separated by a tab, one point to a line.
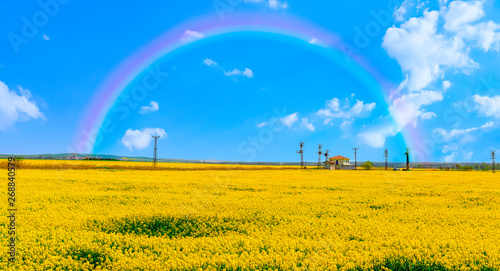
338	162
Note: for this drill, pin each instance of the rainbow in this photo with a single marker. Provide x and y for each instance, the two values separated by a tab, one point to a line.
211	26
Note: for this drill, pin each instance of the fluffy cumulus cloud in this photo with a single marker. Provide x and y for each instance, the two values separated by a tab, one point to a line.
191	35
309	126
359	109
289	120
462	18
423	53
141	139
488	106
16	106
152	107
456	133
427	48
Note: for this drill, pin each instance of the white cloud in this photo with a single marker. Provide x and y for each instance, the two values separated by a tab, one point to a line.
376	137
459	19
488	106
190	35
153	106
446	85
450	158
275	4
327	121
345	124
448	148
407	108
307	124
455	133
324	113
260	125
141	139
468	155
400	12
209	62
427	115
333	104
424	53
461	13
45	37
313	41
16	107
290	119
235	72
359	109
247	72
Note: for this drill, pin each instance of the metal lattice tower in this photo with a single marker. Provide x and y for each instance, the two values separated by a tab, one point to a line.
355	158
156	150
493	161
407	153
301	152
326	155
319	154
386	154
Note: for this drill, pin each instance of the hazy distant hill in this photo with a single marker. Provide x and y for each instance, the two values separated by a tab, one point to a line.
72	156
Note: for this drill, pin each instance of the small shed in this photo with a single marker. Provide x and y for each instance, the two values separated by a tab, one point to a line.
338	162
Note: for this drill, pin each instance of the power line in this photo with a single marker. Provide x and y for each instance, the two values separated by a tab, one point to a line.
407	153
319	154
155	151
301	152
355	158
386	154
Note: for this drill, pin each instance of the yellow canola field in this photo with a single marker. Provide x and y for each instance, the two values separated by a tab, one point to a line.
255	219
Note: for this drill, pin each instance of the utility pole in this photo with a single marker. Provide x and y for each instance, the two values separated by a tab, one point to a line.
407	153
493	161
355	158
301	152
326	155
155	151
386	154
319	154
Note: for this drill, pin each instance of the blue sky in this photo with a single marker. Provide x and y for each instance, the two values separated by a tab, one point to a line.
254	96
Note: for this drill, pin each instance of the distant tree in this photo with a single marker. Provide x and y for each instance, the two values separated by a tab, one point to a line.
485	168
367	165
466	168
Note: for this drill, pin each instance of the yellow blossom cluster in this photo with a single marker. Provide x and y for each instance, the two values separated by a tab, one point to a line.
122	219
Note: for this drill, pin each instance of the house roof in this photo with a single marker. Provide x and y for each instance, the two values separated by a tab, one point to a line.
338	157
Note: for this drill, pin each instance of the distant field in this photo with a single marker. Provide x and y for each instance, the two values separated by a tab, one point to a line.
95	164
123	219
